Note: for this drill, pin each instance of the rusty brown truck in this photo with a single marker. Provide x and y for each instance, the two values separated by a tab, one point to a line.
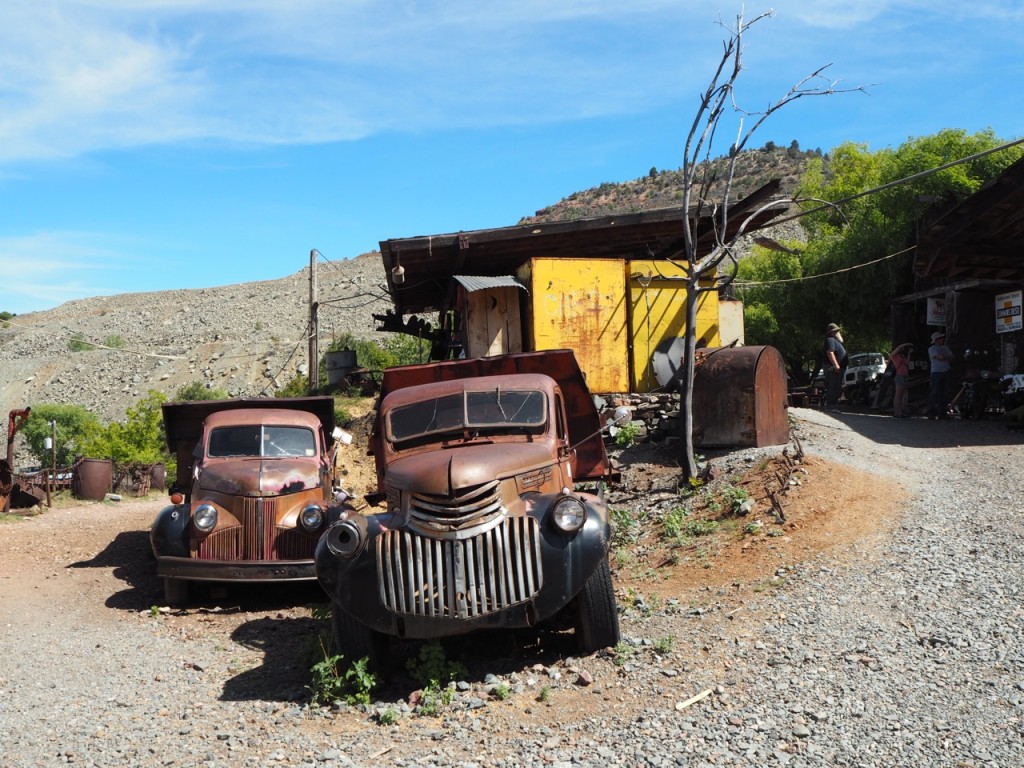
480	462
254	482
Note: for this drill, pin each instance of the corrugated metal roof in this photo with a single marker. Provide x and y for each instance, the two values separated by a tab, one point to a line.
479	283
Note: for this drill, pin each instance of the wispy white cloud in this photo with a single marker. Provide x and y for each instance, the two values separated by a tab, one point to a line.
96	74
48	268
78	76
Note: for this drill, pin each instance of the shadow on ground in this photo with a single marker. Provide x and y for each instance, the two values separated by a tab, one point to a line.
290	648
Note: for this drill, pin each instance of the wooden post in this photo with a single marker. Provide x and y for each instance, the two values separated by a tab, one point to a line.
52	476
314	329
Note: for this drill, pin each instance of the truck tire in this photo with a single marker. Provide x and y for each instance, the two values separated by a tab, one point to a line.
352	639
175	591
597	618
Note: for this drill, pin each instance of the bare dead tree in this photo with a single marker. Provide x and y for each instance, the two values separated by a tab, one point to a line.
718	267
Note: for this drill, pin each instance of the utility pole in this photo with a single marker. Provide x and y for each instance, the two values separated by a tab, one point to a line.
53	462
314	328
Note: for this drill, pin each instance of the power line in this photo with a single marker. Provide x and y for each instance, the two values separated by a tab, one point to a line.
865	193
746	284
889	185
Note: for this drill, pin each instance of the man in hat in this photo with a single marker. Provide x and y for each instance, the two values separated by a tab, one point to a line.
835	360
939	357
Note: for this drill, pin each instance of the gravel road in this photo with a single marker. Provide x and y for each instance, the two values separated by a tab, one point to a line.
903	649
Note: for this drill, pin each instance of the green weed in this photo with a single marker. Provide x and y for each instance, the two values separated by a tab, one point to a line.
501	692
334	680
627	434
623	653
663	646
734	498
431	666
387	716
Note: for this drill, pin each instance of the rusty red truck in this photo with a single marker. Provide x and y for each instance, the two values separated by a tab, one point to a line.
255	478
485	524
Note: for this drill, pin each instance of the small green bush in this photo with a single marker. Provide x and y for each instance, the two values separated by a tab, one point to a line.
627	434
333	679
199	390
77	343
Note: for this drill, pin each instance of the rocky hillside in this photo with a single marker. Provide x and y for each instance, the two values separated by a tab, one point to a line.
663	188
248	338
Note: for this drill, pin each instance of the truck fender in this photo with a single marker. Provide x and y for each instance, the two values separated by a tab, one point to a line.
169	534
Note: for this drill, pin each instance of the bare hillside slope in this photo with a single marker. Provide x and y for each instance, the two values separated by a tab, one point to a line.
247	338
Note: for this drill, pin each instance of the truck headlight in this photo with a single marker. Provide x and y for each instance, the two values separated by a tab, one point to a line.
346	538
205	517
569	514
311	517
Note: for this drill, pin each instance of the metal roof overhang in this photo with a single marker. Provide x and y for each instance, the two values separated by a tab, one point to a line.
430	262
981	237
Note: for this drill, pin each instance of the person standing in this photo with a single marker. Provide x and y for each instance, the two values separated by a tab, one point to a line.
834	362
900	358
940	358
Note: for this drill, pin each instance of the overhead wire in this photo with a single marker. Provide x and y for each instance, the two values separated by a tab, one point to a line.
746	284
865	193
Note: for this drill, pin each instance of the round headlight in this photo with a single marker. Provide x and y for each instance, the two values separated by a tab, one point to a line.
346	538
569	514
311	517
205	517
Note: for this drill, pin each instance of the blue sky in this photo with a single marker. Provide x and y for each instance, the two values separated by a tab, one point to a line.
157	144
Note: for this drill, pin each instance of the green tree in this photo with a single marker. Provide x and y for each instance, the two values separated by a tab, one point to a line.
74	424
859	252
199	390
398	349
139	439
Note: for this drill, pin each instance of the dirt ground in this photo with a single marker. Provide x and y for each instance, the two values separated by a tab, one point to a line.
93	561
823	505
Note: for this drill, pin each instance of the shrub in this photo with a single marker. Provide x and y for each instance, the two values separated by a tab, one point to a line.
334	680
74	423
77	343
200	390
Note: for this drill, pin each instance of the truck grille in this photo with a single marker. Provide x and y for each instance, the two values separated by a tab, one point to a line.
257	538
467	506
459	579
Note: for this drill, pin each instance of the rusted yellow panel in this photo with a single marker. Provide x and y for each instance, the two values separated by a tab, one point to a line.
657	297
580	304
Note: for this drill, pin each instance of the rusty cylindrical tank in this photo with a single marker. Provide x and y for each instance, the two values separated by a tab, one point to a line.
91	478
739	398
158	477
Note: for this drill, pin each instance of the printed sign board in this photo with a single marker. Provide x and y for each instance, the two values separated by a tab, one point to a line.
1008	312
936	310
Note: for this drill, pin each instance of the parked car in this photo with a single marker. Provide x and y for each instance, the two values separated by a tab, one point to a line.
865	366
254	482
862	375
485	525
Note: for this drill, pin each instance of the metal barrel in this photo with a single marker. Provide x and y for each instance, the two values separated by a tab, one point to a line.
91	478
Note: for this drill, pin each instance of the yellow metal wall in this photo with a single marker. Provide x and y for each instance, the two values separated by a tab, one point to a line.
657	305
579	304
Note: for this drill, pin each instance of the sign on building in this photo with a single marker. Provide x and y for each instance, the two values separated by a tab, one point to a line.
936	310
1008	312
